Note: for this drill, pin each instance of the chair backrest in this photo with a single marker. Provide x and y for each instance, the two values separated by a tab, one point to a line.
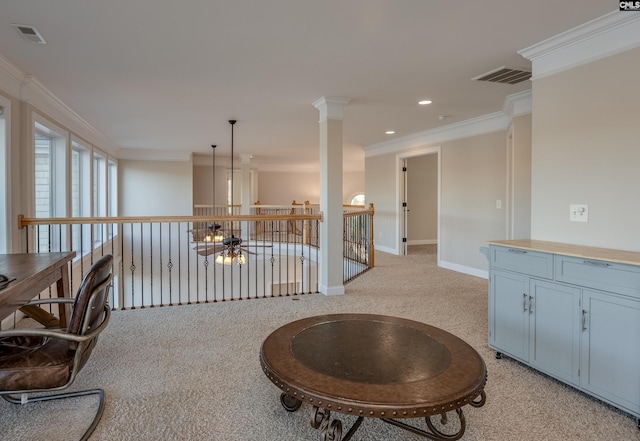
93	293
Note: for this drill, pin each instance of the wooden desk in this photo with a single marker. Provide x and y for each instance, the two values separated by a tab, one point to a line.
34	272
375	366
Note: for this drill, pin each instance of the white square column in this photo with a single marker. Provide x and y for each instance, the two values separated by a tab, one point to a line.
331	252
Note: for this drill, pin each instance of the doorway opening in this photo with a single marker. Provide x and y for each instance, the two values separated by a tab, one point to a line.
419	201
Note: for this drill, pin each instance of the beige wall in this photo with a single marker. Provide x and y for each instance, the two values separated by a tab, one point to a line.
275	188
280	188
519	184
352	184
155	188
586	150
422	199
203	187
473	176
381	178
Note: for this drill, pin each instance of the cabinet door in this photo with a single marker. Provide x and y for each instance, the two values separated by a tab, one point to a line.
509	314
554	312
610	349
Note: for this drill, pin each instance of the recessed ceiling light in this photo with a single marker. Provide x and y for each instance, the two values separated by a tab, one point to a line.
424	102
390	132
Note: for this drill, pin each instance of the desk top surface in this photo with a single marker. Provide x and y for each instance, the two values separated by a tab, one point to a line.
373	365
31	272
23	265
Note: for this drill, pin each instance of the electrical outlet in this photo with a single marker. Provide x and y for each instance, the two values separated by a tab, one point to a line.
498	204
579	213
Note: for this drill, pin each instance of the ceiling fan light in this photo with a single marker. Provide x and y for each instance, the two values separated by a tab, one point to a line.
229	257
224	259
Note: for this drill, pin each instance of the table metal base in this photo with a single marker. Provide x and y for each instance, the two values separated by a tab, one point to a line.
375	366
439	427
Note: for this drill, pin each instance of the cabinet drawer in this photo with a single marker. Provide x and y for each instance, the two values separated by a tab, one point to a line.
599	274
533	263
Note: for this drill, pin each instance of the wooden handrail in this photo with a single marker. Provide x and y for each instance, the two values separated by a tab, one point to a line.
24	221
369	210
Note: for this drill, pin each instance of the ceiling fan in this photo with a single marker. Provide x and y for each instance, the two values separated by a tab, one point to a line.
228	249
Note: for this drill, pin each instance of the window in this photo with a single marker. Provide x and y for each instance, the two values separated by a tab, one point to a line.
49	183
80	194
43	176
71	179
357	199
80	179
99	195
112	190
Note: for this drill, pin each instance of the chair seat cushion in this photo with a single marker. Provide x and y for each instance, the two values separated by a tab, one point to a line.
30	363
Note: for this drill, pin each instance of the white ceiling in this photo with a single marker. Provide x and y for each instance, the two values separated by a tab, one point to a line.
167	75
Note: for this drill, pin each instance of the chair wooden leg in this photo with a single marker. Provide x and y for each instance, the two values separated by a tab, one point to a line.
41	316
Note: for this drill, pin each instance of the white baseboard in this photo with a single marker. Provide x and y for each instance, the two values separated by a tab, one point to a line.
332	290
386	250
465	269
422	242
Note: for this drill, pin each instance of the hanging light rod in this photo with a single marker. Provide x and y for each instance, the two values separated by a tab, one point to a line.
213	233
232	252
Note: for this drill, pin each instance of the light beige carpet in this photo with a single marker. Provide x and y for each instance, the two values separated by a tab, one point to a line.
193	372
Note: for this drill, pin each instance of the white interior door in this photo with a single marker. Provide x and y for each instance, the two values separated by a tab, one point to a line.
405	209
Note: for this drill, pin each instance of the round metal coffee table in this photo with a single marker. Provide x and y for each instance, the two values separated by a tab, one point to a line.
375	366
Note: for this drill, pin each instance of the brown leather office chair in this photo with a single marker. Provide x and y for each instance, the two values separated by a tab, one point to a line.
39	360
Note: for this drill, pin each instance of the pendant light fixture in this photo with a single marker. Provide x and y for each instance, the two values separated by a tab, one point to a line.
231	251
213	233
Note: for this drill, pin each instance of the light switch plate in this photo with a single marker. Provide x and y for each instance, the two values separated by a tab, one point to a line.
579	213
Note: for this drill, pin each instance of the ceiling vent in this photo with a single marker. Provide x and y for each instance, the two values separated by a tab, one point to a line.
507	75
29	33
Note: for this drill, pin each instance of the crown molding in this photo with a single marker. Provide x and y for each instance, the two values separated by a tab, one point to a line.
155	155
33	92
610	34
518	104
331	107
29	90
464	129
514	105
10	78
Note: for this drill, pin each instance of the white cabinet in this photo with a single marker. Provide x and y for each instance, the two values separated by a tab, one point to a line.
508	317
610	348
535	322
554	344
574	317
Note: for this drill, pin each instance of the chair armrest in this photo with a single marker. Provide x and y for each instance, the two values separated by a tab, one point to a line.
59	333
50	301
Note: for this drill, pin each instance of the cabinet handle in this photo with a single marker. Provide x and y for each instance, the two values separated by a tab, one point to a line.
524	302
530	305
593	262
513	250
584	320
